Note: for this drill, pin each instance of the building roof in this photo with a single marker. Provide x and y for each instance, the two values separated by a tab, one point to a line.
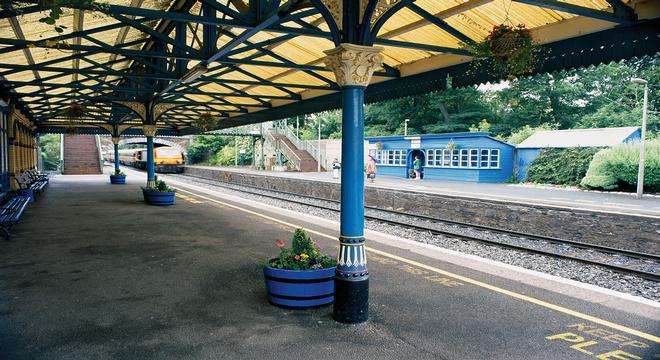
271	67
448	136
578	138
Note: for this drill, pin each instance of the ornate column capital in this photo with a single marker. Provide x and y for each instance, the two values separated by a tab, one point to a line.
115	140
353	64
149	130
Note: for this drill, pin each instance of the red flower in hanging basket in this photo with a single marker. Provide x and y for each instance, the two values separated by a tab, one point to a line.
205	121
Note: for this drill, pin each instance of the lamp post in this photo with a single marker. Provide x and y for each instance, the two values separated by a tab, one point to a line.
405	127
640	173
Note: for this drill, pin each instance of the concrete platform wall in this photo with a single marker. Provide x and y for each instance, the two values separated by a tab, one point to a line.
621	231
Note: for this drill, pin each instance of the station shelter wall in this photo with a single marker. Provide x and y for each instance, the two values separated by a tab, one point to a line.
524	158
18	147
475	158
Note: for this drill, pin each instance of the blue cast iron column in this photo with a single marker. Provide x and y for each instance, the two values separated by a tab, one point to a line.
115	144
353	66
150	131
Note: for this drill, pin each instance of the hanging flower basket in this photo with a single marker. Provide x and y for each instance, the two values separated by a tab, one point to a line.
205	122
511	49
74	111
451	145
71	130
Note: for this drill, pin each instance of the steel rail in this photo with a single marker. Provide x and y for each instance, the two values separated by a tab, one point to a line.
615	251
622	252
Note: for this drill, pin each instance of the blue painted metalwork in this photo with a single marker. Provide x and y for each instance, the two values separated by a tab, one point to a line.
116	149
624	18
151	174
158	198
300	288
592	49
352	275
440	23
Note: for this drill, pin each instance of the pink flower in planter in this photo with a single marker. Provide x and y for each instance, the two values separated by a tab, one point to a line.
280	243
297	257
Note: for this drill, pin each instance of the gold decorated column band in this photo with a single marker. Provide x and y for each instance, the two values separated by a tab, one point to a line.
149	130
353	65
115	140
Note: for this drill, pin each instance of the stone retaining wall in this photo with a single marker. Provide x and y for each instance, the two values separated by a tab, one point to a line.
620	231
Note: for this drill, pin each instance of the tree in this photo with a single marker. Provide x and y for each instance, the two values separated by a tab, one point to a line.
205	147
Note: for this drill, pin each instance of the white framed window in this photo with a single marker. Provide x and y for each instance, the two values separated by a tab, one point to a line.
446	158
494	158
484	158
430	157
377	154
455	159
474	158
394	157
464	158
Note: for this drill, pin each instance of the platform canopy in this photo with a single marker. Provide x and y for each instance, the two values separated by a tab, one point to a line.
251	61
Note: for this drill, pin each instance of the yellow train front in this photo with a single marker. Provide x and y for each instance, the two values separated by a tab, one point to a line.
166	159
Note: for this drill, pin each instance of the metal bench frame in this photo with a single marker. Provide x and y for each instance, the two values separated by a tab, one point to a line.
11	212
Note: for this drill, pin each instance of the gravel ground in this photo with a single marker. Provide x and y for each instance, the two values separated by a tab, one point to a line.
569	269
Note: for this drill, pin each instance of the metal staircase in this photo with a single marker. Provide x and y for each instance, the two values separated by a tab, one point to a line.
302	155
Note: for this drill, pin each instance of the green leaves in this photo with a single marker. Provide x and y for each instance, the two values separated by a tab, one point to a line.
303	255
561	166
617	167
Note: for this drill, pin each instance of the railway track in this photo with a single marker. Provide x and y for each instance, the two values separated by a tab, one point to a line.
619	260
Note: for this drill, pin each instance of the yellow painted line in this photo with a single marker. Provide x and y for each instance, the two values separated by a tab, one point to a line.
481	284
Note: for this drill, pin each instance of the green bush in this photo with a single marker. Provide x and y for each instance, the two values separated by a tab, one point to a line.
617	167
50	151
560	166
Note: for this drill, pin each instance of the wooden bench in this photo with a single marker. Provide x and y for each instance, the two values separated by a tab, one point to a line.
29	185
13	207
37	176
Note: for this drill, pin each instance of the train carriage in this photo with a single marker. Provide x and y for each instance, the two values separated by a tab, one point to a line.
166	159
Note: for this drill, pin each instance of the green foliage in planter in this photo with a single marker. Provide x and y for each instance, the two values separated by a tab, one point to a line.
119	173
560	166
304	254
159	186
617	167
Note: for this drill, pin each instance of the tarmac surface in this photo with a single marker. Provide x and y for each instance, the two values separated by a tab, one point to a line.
94	273
572	198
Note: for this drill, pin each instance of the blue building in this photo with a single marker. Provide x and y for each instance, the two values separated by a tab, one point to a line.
530	149
472	156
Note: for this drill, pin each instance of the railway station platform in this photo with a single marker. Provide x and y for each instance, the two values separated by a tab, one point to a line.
564	198
94	273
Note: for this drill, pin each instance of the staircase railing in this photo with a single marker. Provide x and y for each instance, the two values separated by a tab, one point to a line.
306	145
285	149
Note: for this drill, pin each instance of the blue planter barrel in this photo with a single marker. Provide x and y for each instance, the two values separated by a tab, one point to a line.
159	198
300	288
117	179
